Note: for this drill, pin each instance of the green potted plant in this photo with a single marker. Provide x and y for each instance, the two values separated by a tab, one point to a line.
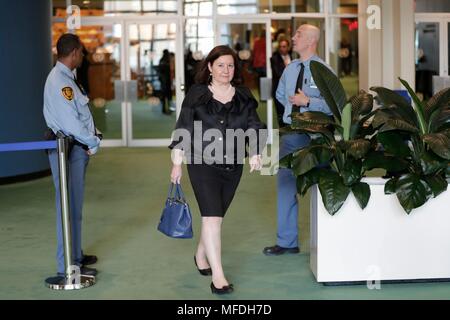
418	137
379	242
339	143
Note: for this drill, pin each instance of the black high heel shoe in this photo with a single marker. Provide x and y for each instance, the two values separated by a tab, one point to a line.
203	272
224	290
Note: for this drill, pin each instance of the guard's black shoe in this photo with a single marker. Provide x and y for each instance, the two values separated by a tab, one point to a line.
88	260
203	272
224	290
86	271
276	250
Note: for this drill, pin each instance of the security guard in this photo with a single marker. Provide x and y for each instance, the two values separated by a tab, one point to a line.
298	92
66	109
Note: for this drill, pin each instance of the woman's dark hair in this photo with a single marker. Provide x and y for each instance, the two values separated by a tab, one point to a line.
203	74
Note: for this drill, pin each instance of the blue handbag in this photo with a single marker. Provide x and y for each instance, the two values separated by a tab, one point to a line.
176	218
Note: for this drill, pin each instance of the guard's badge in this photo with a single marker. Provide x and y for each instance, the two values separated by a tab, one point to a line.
67	93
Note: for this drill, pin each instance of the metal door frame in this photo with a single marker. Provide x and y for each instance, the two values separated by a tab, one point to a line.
443	19
219	20
179	74
125	75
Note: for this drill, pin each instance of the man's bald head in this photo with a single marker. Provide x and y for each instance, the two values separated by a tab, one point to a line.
311	32
306	39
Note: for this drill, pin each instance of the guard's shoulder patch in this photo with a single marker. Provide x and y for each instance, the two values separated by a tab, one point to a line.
67	93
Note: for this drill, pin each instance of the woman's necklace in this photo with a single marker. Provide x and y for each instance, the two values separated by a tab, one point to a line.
222	94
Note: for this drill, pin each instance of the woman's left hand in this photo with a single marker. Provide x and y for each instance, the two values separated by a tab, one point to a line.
255	163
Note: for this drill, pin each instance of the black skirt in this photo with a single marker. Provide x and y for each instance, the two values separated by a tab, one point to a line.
214	186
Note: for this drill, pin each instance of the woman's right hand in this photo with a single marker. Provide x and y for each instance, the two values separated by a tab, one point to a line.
175	175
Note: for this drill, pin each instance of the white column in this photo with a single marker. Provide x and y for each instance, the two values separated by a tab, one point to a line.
370	49
406	41
386	54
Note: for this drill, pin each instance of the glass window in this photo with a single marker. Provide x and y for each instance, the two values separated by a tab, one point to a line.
344	52
344	6
98	73
117	7
267	6
199	39
427	56
297	6
432	6
198	8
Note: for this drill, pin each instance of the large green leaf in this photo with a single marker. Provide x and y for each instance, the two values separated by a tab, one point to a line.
376	159
390	186
351	173
347	120
412	192
309	157
437	184
286	161
439	120
394	144
362	104
305	181
333	191
431	163
388	98
313	117
439	143
396	124
439	100
363	126
419	107
356	148
361	191
389	117
330	87
313	122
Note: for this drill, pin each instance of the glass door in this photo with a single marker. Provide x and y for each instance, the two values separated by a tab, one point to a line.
102	67
153	81
252	42
432	45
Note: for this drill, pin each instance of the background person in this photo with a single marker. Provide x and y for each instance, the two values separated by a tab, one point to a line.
279	60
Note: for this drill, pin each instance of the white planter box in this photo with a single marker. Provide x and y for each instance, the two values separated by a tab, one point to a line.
380	242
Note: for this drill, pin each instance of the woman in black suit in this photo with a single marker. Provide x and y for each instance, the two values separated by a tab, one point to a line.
216	106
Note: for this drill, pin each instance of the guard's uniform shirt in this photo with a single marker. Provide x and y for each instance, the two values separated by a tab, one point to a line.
66	107
287	85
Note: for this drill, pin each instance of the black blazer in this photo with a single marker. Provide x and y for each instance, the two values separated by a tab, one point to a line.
277	64
199	105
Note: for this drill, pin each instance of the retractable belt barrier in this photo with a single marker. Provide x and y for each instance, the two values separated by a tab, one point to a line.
72	279
25	146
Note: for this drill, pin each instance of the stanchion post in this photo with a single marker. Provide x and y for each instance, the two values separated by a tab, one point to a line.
62	148
72	280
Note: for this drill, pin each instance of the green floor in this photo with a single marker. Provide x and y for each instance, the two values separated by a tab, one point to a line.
125	192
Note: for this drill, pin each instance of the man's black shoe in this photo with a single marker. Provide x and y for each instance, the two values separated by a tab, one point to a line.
88	260
276	250
86	271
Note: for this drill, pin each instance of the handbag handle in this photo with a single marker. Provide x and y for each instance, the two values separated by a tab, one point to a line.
178	192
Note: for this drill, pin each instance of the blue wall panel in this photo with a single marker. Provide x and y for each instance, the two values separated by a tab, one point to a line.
25	61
